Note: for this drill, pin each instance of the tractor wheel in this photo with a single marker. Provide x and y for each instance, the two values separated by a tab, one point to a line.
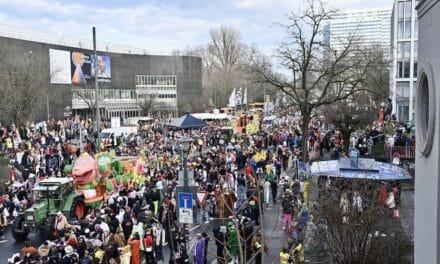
18	230
78	209
48	228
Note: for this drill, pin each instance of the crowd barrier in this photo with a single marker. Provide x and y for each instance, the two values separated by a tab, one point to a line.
405	152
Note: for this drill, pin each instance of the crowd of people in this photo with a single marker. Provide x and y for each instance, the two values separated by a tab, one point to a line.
139	222
243	176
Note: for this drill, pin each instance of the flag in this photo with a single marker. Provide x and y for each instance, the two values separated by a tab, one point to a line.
238	97
245	96
232	99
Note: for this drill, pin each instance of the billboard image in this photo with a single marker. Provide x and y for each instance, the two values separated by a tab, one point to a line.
104	68
80	68
59	66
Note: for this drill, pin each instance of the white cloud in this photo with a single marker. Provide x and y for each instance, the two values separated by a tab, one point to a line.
160	26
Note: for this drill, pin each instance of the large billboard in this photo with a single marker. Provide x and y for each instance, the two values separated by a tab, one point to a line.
77	67
80	68
104	68
59	66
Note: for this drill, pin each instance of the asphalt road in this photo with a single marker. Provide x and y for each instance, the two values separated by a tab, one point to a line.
9	246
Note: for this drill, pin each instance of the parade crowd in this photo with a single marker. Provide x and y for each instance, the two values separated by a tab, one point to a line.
243	177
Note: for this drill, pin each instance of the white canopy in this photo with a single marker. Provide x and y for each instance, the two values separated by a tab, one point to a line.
211	116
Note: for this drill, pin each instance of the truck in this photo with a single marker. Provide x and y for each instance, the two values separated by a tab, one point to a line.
51	195
110	135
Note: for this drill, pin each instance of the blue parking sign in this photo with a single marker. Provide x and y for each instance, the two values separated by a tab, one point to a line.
185	200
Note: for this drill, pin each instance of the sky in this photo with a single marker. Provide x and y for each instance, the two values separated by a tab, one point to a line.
162	27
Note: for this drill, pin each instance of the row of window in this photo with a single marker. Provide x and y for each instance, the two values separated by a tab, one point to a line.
404	29
160	88
403	69
88	94
155	80
404	59
160	96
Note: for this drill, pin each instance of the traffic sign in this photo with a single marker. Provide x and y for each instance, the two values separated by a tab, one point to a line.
201	197
186	216
186	200
185	208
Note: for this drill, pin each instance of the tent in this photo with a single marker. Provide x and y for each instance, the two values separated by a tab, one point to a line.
187	121
368	169
211	116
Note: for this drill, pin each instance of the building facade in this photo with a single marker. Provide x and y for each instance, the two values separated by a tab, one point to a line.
427	182
371	26
404	56
158	93
126	77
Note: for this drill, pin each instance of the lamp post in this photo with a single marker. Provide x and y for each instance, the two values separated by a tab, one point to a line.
185	144
95	67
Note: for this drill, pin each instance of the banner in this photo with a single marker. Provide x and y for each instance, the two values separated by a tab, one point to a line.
80	68
232	99
104	68
245	96
59	66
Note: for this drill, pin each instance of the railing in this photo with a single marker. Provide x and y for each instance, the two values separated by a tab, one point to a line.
406	152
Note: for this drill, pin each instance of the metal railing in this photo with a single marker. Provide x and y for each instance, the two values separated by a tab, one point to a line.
405	152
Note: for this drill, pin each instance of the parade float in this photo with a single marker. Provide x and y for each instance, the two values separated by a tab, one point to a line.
97	178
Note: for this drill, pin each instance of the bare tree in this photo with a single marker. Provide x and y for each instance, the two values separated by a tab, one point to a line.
360	110
23	86
349	116
224	60
351	225
319	74
147	104
86	94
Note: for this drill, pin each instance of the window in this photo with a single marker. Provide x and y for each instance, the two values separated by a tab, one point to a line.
401	9
408	10
416	29
400	29
425	114
403	111
407	29
415	70
403	59
400	69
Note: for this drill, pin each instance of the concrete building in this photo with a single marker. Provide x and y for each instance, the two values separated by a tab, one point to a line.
372	26
427	183
126	76
404	37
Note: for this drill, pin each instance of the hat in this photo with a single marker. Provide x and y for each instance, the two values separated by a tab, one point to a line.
59	213
68	250
43	251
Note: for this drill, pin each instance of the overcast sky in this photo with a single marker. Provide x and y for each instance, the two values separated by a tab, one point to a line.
162	26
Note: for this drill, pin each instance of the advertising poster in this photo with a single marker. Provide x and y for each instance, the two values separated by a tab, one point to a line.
80	68
104	68
59	66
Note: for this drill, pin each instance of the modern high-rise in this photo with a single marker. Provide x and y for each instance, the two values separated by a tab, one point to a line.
404	36
371	26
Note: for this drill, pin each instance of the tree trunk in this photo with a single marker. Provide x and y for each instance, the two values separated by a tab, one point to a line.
346	137
305	138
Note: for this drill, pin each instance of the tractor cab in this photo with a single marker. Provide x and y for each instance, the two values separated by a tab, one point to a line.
53	189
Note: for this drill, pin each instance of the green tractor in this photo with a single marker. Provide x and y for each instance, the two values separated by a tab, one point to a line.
52	195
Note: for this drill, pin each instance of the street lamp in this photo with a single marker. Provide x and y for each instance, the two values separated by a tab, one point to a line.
185	144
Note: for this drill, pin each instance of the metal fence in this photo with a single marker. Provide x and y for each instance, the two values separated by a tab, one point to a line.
405	152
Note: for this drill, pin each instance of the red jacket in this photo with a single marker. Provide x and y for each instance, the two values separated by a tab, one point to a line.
148	243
